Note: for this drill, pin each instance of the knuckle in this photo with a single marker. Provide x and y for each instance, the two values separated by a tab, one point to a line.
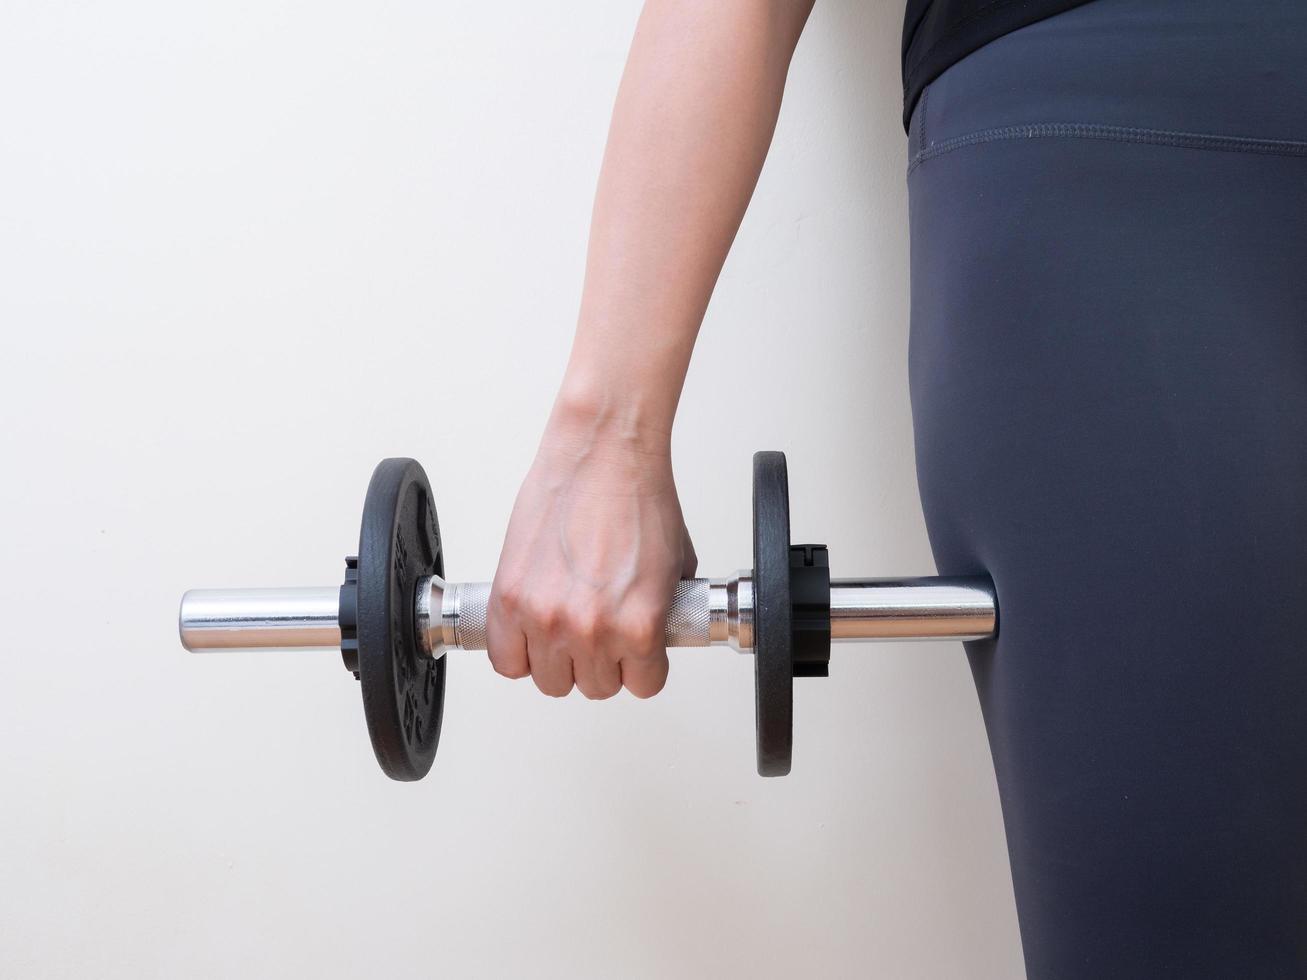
642	632
544	614
584	625
506	600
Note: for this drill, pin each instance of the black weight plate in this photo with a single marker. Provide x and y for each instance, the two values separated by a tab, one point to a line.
772	614
403	692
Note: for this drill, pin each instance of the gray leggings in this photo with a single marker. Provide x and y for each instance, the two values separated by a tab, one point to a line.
1108	368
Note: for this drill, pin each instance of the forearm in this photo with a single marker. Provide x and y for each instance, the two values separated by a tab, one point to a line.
692	122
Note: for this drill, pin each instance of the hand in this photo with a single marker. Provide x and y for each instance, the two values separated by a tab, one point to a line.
595	546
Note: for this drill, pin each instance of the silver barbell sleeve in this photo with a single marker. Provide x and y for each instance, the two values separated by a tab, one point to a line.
260	619
705	612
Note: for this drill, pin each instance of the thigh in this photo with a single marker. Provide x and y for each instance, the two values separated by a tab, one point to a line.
1108	367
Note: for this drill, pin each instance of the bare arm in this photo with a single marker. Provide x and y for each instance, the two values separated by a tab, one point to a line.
597	541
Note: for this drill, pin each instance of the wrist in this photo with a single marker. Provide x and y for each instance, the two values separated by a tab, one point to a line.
589	414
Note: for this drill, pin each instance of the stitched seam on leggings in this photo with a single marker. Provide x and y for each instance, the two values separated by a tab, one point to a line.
1119	134
921	122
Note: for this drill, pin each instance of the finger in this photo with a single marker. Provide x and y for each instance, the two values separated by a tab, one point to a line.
589	640
551	667
644	676
644	660
505	641
598	675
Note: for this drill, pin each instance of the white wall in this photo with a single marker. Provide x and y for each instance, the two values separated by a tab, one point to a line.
247	250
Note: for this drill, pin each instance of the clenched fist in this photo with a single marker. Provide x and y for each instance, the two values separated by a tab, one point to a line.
594	549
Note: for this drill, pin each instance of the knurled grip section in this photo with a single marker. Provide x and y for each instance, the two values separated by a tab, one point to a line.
473	598
688	621
689	618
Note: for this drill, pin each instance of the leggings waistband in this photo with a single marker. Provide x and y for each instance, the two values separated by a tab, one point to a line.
1199	68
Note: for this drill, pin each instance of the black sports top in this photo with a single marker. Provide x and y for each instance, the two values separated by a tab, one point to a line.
937	33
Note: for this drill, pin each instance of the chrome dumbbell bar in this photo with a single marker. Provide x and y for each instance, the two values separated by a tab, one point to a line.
395	616
705	612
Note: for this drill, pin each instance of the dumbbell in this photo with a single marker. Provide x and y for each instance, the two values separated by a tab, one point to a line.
396	617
